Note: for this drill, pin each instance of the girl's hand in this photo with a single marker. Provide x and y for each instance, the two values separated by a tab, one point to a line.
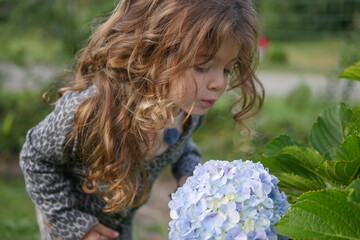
100	232
182	180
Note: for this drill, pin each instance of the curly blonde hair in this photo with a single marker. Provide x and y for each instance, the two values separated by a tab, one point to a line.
134	59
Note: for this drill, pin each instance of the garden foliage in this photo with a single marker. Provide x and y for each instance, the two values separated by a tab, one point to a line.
307	19
324	178
19	111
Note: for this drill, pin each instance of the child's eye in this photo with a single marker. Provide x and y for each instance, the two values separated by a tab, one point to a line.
201	69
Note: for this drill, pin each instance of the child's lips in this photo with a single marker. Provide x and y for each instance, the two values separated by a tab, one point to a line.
209	103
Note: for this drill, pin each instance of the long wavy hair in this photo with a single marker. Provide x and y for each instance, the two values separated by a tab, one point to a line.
134	59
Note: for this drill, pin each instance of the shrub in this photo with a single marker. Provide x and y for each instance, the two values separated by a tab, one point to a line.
277	55
323	177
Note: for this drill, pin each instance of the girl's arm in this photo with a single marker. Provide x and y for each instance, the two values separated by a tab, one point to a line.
182	180
187	162
43	161
190	157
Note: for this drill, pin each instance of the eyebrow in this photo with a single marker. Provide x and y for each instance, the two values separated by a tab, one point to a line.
207	57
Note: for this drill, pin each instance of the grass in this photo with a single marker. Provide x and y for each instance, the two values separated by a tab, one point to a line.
17	212
320	56
151	231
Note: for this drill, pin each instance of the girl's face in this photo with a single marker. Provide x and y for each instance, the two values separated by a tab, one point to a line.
209	78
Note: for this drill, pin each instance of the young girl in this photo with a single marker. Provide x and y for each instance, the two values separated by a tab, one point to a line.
141	88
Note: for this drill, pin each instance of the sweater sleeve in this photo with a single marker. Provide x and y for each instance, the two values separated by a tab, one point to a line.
187	162
43	161
189	158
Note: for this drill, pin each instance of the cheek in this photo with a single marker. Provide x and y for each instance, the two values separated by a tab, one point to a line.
187	85
178	88
185	92
188	94
194	83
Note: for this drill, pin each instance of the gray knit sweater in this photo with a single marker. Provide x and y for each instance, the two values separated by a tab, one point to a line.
54	174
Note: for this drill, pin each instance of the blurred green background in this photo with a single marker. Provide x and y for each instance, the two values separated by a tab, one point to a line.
308	45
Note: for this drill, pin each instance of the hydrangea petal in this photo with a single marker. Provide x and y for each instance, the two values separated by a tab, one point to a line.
227	200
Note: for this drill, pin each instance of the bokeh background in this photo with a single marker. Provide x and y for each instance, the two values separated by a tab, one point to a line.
304	44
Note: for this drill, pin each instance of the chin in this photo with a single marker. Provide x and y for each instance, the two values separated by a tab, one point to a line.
195	111
199	112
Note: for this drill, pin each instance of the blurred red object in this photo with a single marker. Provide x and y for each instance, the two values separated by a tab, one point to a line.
263	42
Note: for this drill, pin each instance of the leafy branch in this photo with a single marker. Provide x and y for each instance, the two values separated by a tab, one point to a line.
323	180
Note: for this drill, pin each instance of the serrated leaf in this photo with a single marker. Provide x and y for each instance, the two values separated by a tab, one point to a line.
282	164
303	163
273	148
352	72
344	171
334	153
328	131
309	158
354	189
274	165
351	146
340	171
322	215
296	167
354	128
356	111
299	183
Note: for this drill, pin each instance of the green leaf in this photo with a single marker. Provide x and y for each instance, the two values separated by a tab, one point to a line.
352	72
286	164
328	131
273	148
354	189
289	182
303	163
356	111
354	128
296	168
309	158
334	153
344	171
322	215
340	172
351	146
275	165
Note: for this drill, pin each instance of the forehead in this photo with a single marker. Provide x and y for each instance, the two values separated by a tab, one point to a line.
226	51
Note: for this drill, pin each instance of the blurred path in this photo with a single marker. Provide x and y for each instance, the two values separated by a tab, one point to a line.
30	77
276	83
156	208
34	76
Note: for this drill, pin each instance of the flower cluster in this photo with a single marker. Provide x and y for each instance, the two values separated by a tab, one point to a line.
227	200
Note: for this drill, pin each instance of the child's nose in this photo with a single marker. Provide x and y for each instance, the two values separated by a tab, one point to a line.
217	81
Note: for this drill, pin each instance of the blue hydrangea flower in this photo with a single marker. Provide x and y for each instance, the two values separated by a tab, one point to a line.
236	200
